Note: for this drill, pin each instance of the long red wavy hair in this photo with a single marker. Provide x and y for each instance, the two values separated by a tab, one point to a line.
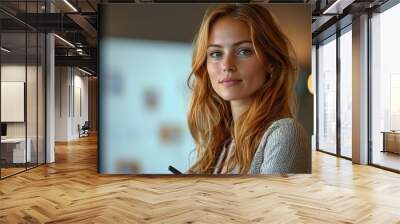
209	117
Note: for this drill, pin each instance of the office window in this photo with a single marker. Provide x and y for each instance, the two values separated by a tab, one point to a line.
327	96
346	93
385	88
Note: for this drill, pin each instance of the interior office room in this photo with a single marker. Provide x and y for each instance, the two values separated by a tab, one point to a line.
50	129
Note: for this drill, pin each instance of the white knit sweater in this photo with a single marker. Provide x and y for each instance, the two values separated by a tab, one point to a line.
284	148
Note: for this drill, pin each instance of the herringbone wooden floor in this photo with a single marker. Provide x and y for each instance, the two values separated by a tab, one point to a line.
70	191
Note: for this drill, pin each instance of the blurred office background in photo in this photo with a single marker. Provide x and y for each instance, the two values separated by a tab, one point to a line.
143	97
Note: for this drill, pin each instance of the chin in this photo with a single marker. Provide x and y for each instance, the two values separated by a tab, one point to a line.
229	97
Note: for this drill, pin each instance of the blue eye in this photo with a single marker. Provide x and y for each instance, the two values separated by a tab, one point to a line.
245	52
215	54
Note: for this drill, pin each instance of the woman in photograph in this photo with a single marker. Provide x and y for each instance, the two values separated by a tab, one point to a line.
242	110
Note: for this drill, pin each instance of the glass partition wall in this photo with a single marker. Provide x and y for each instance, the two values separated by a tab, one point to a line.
334	94
13	88
22	88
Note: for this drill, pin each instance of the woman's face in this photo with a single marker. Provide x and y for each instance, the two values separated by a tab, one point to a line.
234	69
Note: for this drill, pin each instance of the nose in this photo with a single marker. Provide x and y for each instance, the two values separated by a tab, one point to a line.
228	63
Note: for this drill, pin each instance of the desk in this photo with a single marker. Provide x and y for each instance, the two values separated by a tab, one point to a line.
15	148
391	141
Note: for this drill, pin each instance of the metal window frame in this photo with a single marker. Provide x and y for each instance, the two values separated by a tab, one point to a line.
44	75
339	32
381	9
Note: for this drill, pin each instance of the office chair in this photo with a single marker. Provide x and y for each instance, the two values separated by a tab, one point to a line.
84	130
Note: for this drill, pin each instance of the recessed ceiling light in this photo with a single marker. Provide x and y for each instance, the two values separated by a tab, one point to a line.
337	6
5	49
84	71
64	40
70	5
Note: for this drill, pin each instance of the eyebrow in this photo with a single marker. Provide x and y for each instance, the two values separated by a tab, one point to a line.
235	44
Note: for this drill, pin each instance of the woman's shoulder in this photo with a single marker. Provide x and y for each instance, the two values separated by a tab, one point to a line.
283	148
284	128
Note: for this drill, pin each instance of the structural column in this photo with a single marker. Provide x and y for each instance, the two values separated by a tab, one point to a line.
50	92
360	90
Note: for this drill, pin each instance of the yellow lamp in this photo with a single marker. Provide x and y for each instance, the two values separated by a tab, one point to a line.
310	84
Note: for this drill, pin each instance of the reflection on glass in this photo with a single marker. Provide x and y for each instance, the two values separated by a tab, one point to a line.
327	96
346	94
385	86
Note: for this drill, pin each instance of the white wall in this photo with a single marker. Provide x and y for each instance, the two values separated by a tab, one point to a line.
61	114
15	72
79	117
70	84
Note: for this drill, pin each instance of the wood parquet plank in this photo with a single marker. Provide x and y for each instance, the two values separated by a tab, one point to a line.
70	191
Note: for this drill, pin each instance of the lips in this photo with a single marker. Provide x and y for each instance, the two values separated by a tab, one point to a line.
230	81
